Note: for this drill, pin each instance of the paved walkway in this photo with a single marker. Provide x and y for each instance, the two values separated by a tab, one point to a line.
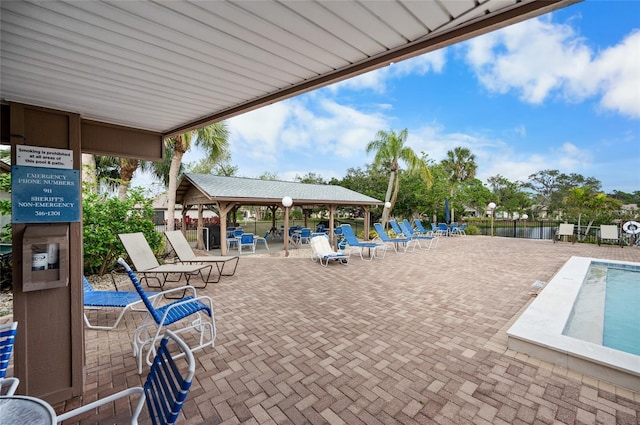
411	339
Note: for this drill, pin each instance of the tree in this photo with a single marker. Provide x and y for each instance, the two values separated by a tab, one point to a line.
509	195
389	149
583	201
268	175
311	177
461	166
212	138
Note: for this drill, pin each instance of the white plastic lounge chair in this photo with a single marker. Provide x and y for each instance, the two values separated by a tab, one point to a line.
164	391
147	264
354	243
186	255
609	232
123	300
321	250
565	229
400	245
192	313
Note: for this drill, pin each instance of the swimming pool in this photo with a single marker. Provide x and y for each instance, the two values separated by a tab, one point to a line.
606	310
541	329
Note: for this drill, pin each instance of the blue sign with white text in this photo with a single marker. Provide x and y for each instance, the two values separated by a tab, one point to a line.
44	195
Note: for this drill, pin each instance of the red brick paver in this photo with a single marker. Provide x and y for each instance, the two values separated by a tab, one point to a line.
418	338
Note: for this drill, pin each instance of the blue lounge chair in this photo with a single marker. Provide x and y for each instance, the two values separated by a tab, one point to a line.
400	245
398	231
407	230
7	340
190	313
111	299
164	390
422	229
443	229
354	243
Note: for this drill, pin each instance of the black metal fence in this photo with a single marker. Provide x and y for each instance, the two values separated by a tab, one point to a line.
533	229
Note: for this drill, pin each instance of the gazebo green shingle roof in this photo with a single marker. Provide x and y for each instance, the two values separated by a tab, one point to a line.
266	192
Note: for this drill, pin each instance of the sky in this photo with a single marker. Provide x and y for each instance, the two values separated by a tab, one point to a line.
561	91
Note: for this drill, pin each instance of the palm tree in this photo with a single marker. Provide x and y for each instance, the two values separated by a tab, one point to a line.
212	138
461	166
389	148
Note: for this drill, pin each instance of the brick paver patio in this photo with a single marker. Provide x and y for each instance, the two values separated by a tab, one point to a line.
418	338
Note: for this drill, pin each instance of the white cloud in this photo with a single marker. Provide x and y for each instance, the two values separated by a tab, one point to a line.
538	59
618	71
377	80
301	130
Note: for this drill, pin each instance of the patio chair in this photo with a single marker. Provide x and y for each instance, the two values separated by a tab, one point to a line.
422	229
443	229
354	243
304	236
186	255
123	300
420	239
164	391
611	233
400	245
247	240
398	231
188	314
321	250
7	340
459	230
565	229
263	239
147	264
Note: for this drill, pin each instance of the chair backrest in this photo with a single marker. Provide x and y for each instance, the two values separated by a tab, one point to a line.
566	229
463	226
608	231
407	225
157	317
320	245
419	225
348	234
443	227
86	286
396	228
180	245
246	239
305	233
381	233
167	386
434	227
7	339
405	230
238	232
139	251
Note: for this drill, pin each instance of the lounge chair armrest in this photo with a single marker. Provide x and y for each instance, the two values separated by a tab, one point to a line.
12	383
203	299
187	289
109	399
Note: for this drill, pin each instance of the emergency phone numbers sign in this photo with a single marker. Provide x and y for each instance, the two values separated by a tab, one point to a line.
45	194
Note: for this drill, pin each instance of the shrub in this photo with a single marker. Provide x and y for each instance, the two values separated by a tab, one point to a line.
105	218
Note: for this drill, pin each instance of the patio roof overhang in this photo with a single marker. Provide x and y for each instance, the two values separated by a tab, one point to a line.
206	189
169	67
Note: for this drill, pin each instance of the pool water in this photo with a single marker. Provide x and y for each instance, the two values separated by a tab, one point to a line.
622	311
606	310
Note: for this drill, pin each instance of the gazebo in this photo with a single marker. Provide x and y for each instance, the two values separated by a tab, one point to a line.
227	193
